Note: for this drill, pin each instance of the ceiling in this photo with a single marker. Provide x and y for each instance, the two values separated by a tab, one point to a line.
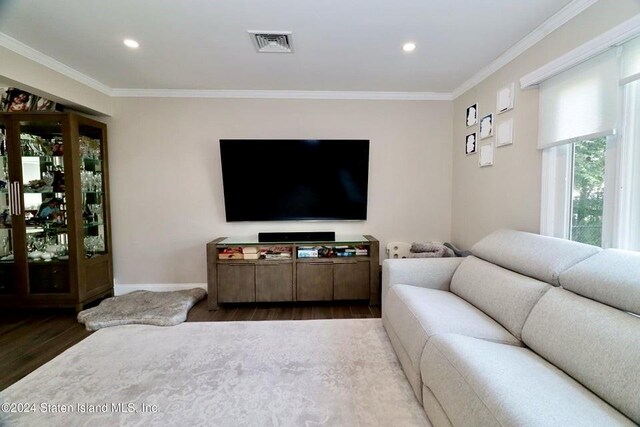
340	45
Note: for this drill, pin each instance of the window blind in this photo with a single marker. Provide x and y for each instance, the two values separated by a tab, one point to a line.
630	63
580	103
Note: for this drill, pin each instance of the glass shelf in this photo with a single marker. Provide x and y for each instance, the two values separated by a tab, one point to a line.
41	156
61	193
93	224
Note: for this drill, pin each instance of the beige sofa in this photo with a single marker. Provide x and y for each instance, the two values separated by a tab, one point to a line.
530	331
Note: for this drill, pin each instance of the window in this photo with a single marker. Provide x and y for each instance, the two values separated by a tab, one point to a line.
587	195
590	140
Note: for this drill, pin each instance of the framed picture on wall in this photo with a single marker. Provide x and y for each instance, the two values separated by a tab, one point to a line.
505	133
471	144
486	126
486	155
471	118
504	101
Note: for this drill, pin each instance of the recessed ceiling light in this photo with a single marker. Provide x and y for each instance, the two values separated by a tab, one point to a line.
131	43
408	47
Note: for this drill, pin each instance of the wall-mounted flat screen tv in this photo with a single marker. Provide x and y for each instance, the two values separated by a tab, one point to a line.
284	180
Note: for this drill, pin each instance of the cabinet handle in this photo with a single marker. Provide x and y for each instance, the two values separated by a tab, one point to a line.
14	198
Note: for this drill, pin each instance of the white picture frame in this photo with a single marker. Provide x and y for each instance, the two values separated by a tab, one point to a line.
471	116
504	133
486	155
486	126
505	98
471	144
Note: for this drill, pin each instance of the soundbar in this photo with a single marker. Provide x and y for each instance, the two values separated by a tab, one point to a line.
297	236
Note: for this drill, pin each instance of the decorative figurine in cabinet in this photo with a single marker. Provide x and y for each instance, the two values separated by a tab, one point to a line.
55	230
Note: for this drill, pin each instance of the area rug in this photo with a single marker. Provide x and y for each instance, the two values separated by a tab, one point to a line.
142	308
290	373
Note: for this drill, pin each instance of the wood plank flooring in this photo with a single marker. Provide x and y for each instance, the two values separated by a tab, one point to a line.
29	339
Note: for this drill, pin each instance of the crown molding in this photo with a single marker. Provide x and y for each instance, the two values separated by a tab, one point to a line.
282	94
47	61
563	16
605	41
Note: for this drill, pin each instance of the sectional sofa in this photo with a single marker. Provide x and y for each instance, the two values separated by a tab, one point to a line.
530	330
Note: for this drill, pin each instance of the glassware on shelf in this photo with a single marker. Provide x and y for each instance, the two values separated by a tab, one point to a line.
47	177
89	148
91	181
39	244
85	180
90	245
4	242
96	211
97	182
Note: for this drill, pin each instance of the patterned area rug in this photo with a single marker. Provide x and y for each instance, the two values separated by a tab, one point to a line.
291	373
142	308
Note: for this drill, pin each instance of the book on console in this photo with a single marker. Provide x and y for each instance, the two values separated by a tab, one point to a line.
230	253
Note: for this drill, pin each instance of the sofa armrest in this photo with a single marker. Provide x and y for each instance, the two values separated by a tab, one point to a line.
432	273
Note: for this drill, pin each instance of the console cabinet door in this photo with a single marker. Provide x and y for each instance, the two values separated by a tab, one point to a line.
351	280
274	282
314	281
236	283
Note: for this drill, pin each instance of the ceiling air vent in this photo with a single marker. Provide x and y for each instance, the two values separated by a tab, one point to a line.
272	41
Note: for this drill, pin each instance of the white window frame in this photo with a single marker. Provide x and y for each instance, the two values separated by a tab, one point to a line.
557	189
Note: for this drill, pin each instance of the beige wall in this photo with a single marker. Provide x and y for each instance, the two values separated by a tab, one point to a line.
507	194
16	70
166	182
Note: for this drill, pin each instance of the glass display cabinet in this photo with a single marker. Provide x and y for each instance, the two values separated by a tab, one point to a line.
55	231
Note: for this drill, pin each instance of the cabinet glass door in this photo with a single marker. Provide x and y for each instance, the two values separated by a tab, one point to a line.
91	152
45	206
7	278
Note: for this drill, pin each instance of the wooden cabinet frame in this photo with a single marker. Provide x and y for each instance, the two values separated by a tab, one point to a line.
86	279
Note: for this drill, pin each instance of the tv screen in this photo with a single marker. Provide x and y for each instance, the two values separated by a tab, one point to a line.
280	180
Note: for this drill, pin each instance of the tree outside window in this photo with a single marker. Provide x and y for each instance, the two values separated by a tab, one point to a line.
588	191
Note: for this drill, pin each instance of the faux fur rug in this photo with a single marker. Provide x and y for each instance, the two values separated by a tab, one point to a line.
142	307
291	373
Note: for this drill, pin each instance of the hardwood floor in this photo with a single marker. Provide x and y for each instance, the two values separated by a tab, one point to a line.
30	339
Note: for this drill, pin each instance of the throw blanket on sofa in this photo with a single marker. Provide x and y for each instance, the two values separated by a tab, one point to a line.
430	250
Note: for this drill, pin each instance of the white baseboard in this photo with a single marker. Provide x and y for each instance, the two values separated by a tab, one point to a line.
121	289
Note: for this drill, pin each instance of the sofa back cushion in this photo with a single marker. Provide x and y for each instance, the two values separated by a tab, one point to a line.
506	296
597	345
541	257
611	277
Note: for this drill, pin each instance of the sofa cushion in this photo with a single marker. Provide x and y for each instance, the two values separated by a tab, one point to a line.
611	277
434	411
432	273
506	296
478	382
541	257
414	314
597	345
411	371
